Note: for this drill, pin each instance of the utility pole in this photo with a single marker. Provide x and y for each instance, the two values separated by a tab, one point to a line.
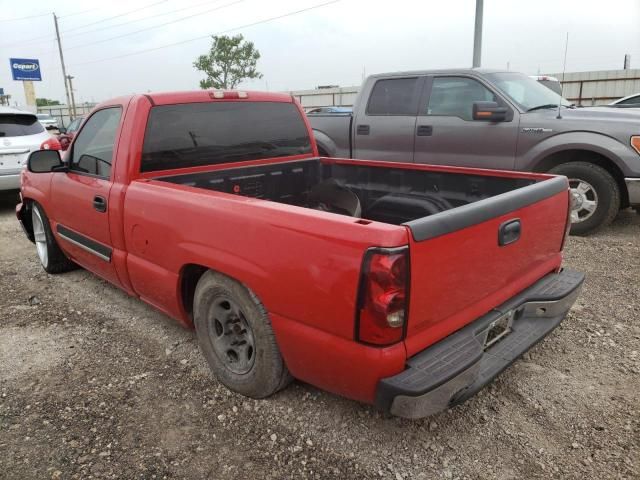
73	100
477	34
64	70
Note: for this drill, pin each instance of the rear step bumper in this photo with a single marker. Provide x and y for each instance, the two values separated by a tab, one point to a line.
457	367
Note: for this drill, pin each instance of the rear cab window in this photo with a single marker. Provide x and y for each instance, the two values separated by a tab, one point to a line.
212	133
12	125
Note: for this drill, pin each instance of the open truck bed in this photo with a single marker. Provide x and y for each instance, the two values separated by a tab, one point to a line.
476	237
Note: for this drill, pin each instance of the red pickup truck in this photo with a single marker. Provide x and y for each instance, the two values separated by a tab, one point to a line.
406	286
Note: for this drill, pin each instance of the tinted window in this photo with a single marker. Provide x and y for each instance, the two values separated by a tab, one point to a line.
630	101
73	126
93	149
195	134
19	125
395	96
454	96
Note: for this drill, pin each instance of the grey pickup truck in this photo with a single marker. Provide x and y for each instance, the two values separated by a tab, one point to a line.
498	120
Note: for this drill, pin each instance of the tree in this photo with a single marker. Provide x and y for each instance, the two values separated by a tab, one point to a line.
230	61
43	102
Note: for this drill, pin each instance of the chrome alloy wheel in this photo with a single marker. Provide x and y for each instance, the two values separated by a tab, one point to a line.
584	200
39	236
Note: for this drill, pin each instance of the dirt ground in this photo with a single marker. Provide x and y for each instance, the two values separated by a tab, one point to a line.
94	384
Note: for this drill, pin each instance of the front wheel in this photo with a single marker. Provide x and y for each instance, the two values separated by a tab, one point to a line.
595	196
236	338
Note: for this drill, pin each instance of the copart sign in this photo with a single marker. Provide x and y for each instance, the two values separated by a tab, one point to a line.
25	69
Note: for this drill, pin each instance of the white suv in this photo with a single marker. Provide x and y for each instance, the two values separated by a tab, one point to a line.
20	134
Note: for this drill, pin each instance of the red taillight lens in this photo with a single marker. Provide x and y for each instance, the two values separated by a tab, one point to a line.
383	295
51	144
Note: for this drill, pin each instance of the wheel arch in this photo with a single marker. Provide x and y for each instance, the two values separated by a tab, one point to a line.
326	146
189	277
24	214
546	163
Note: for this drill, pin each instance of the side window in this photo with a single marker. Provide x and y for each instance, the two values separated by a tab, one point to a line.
93	148
73	126
395	96
454	96
631	101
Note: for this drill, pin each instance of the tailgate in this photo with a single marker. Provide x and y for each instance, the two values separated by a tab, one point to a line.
459	270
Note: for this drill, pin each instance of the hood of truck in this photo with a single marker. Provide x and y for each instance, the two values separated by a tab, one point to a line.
608	120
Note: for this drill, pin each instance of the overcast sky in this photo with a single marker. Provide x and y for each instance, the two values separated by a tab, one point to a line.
333	44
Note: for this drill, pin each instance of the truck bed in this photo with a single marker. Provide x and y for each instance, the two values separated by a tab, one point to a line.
393	195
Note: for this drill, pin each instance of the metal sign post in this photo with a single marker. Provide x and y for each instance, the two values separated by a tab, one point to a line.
28	71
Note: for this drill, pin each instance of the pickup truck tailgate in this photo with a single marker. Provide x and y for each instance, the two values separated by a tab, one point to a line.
467	261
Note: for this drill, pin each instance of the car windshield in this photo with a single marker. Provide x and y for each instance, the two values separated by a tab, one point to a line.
525	91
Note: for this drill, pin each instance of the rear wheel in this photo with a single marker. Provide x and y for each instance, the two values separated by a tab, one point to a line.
53	260
236	338
595	196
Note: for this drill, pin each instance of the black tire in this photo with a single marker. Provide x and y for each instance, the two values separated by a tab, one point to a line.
258	376
51	257
605	187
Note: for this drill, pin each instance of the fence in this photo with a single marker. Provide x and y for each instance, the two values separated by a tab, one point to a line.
599	87
63	113
327	97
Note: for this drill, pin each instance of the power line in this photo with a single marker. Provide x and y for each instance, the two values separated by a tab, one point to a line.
115	16
136	20
77	13
40	38
44	15
155	26
209	35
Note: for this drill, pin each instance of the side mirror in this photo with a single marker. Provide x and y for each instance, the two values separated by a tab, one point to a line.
489	111
44	161
62	130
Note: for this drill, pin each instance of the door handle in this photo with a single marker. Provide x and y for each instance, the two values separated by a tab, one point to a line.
424	130
509	232
362	130
99	203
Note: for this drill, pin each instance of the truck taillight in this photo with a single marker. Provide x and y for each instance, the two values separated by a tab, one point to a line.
383	296
51	144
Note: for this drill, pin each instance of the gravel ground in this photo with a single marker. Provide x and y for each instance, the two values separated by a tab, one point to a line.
94	384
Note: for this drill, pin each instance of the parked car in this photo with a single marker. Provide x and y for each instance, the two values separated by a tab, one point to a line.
631	101
67	135
320	110
20	134
407	286
493	119
47	121
552	83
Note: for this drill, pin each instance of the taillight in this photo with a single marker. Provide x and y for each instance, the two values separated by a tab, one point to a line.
383	296
51	144
567	226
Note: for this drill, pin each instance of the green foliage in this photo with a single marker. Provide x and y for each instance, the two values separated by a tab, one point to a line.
44	102
230	61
